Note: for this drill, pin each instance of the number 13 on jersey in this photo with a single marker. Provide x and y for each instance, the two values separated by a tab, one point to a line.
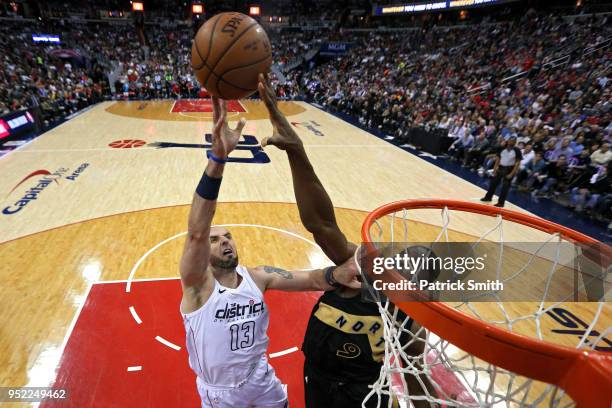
243	335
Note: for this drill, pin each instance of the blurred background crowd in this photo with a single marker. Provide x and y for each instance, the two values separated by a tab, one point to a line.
482	77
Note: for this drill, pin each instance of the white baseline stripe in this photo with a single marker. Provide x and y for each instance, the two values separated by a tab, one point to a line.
136	280
134	368
167	343
135	315
243	106
282	353
74	320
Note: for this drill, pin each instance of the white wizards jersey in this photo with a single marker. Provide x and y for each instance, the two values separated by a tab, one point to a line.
226	337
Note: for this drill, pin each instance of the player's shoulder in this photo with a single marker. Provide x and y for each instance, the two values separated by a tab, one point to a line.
255	270
262	274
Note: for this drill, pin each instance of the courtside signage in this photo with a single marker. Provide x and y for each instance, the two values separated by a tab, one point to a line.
44	178
4	129
432	6
47	38
16	123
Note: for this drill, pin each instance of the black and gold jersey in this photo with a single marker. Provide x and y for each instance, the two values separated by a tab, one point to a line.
344	340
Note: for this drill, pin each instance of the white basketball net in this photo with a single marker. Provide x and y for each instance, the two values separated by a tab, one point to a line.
459	378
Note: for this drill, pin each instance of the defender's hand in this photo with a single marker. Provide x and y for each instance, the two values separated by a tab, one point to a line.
347	274
283	135
224	139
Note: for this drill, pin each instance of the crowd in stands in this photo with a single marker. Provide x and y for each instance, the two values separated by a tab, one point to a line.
556	104
454	80
161	69
109	62
290	46
41	78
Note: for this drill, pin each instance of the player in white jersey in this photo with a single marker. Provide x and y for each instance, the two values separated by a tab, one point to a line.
223	307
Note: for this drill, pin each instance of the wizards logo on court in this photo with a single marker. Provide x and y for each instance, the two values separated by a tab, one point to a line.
41	186
250	145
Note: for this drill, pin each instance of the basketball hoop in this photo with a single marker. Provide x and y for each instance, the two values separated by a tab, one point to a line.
476	351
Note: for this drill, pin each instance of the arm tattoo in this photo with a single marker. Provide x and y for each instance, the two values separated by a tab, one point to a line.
285	274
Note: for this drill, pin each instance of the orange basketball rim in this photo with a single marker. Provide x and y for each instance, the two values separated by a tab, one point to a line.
586	375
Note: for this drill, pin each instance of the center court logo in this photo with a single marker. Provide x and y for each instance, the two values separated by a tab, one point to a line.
250	144
42	184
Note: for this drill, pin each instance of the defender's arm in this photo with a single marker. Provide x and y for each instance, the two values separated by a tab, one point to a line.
269	277
314	205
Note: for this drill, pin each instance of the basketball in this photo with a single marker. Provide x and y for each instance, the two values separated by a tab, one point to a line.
228	53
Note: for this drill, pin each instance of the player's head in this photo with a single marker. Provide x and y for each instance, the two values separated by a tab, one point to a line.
223	252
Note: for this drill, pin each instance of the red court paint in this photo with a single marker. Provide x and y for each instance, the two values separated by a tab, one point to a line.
106	340
203	105
447	380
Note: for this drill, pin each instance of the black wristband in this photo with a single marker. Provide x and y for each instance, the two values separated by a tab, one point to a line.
208	187
329	277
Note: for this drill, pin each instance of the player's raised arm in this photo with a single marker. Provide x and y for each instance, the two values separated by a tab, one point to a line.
270	277
315	206
195	279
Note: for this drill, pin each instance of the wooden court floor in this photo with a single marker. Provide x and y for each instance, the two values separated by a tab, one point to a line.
102	200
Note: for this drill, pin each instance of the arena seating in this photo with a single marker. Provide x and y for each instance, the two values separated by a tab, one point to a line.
539	77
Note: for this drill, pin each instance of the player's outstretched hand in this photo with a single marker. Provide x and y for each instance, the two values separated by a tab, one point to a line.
283	135
224	139
347	274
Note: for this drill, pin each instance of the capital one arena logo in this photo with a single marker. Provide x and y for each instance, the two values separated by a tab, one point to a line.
44	179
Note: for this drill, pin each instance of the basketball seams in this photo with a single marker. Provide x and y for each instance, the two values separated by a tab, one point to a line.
229	83
195	42
203	64
220	77
246	30
210	39
245	66
200	66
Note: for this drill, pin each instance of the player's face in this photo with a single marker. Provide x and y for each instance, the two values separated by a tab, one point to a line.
223	253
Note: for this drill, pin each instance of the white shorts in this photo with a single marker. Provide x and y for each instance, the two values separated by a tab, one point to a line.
261	389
